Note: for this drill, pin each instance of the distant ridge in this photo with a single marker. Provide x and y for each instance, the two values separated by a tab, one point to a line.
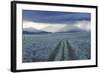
28	32
33	31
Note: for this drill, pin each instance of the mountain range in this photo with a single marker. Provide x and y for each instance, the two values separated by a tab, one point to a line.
32	30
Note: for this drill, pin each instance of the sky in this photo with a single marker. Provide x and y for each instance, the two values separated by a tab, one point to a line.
54	21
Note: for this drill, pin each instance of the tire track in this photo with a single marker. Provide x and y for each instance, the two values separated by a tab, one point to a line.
63	51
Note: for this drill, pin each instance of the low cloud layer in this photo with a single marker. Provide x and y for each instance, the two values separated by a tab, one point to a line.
79	25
